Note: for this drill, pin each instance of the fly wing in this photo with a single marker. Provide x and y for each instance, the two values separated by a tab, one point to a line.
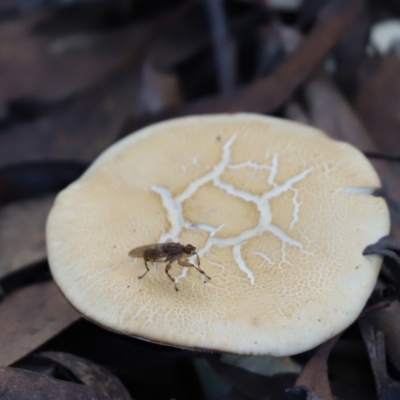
139	251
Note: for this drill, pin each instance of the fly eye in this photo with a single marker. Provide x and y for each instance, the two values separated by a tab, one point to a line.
189	249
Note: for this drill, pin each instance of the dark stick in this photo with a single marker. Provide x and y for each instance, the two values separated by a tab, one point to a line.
224	47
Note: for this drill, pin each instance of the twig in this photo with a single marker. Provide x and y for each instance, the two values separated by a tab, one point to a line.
224	47
382	156
314	375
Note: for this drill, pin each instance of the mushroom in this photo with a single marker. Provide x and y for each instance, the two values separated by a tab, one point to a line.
278	212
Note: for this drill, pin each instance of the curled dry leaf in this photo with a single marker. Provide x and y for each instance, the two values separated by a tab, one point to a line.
22	233
91	374
17	384
314	375
387	247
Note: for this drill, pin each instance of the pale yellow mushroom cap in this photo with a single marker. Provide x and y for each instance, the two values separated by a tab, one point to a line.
279	214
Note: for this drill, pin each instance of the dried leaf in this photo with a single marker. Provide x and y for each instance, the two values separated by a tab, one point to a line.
376	351
384	243
350	374
16	384
314	375
34	179
330	112
78	131
387	389
137	363
387	320
378	103
295	112
275	41
31	316
159	89
349	55
179	37
91	374
22	233
387	247
39	66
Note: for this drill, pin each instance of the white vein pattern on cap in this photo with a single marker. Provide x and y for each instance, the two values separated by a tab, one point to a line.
173	206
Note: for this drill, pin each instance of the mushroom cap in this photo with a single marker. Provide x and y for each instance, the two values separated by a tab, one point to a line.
279	213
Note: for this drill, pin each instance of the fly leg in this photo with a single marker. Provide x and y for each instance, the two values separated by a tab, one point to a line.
201	269
183	263
167	268
147	267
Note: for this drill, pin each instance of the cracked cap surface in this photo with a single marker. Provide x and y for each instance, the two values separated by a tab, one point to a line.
279	214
